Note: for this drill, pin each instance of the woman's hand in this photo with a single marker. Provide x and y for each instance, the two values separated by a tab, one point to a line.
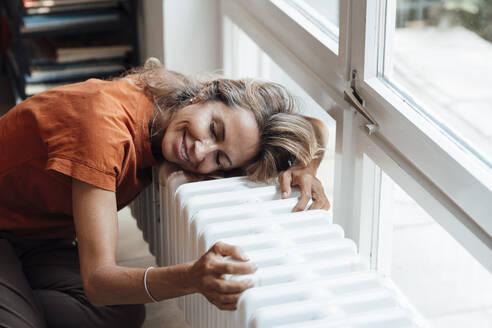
206	276
305	177
311	187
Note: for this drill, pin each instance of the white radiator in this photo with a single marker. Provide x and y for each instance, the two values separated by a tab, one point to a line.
308	274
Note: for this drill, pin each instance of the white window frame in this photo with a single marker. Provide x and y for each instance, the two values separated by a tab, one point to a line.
266	22
439	174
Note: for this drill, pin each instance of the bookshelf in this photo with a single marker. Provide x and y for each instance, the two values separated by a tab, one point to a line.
55	42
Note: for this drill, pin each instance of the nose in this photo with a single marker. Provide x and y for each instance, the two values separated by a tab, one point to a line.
202	148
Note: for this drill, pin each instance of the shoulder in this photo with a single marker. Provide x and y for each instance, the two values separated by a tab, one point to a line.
71	99
92	103
91	112
94	94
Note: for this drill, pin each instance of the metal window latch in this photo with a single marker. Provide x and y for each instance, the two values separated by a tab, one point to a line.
353	98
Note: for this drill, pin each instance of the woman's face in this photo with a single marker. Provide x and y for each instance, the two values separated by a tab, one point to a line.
208	137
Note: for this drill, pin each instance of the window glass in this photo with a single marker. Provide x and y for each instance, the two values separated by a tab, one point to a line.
324	14
438	54
445	283
323	9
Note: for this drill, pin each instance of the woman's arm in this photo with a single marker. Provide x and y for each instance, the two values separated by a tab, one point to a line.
105	282
305	177
321	133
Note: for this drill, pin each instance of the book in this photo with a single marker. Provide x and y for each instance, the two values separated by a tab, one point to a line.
72	71
40	51
67	49
55	3
43	51
42	23
73	8
68	55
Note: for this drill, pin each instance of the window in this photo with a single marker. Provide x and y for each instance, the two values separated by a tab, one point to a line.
322	13
437	54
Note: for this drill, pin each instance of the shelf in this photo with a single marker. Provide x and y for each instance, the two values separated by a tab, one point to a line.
36	87
51	7
70	72
58	28
44	25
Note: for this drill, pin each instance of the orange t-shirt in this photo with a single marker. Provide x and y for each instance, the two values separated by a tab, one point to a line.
95	131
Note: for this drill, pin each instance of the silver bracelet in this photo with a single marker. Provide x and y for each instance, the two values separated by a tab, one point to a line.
145	284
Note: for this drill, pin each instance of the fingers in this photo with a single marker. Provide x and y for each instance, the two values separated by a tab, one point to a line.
228	307
311	188
320	201
285	180
305	187
221	268
226	293
226	300
206	275
229	250
231	306
224	286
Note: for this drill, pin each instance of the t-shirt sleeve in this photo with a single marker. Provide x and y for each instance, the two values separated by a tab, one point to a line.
86	140
82	171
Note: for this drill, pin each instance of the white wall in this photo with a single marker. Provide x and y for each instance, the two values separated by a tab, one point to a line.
151	29
192	35
184	34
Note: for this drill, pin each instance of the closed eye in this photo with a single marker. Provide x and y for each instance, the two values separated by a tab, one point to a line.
212	130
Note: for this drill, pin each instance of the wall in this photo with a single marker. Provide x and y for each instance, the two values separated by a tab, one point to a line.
184	34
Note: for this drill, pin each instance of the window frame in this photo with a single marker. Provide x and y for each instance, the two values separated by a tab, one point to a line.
266	22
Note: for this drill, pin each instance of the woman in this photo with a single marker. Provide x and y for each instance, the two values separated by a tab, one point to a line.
72	156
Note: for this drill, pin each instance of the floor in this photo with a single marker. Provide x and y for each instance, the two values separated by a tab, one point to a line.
447	285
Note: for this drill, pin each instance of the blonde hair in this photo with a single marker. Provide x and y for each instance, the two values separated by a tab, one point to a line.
286	138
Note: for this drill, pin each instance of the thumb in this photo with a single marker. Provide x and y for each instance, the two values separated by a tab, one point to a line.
229	250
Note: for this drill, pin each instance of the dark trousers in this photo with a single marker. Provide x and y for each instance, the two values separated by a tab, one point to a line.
40	286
